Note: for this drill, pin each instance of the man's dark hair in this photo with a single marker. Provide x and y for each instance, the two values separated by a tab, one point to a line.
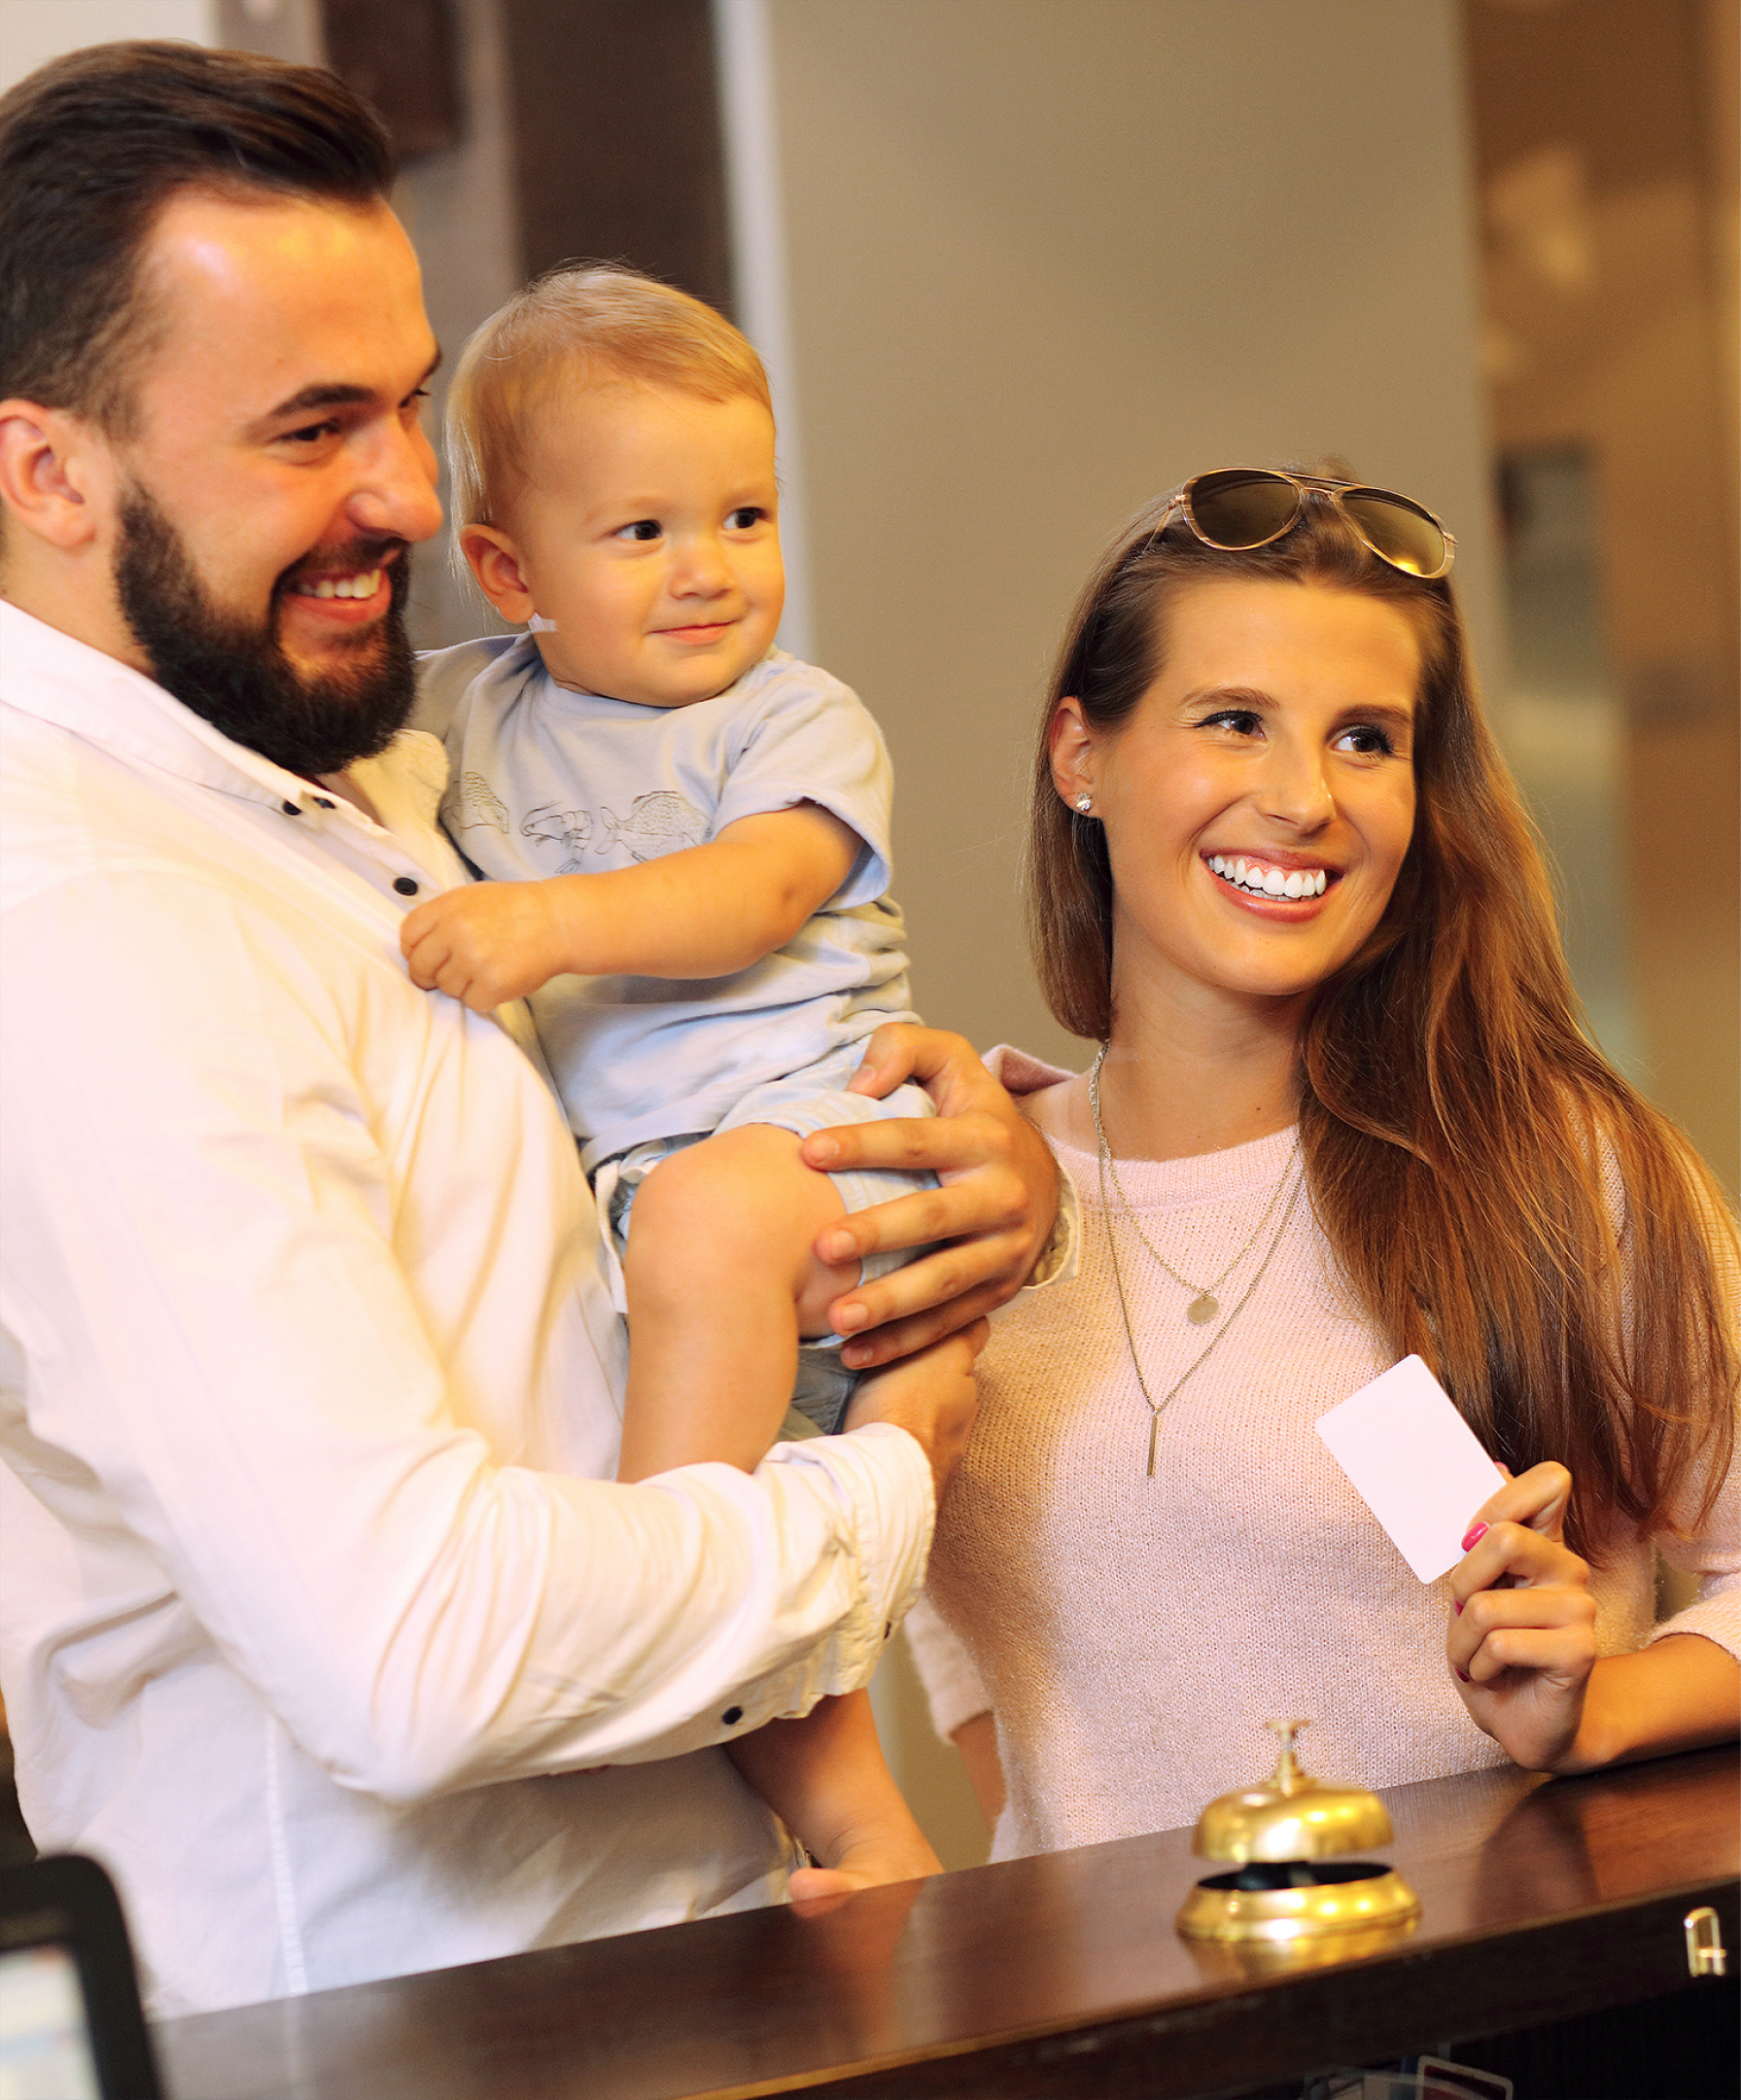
91	148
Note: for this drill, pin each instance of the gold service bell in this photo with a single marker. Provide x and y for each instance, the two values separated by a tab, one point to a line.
1287	1839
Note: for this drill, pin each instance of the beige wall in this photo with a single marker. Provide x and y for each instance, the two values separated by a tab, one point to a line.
1042	261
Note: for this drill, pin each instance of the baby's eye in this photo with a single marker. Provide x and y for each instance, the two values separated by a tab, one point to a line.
641	529
744	517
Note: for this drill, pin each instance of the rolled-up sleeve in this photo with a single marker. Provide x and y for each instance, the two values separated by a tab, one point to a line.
256	1365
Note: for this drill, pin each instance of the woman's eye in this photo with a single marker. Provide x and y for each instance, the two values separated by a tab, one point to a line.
641	529
745	516
1242	721
1369	740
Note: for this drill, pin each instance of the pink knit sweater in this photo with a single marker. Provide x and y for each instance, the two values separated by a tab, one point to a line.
1132	1636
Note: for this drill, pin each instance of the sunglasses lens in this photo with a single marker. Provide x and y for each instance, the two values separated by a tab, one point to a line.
1392	527
1239	508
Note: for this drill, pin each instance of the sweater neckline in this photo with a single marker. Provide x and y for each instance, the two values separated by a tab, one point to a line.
1163	1184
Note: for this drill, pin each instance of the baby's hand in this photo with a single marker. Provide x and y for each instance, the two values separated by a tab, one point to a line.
484	943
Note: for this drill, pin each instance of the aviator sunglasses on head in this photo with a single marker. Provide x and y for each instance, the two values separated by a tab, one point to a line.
1237	509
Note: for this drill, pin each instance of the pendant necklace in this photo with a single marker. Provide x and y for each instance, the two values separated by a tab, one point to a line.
1204	1304
1157	1408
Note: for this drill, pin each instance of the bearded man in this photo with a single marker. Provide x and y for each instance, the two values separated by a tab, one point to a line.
320	1620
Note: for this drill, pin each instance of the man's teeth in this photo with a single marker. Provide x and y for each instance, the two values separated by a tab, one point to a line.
1263	881
345	586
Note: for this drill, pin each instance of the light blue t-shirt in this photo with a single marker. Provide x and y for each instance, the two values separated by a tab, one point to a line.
545	781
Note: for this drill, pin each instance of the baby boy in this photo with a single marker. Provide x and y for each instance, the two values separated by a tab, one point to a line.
685	835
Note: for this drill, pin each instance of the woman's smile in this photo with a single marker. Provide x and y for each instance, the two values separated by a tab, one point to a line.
1259	801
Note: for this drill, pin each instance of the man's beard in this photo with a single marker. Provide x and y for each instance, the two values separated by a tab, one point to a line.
238	677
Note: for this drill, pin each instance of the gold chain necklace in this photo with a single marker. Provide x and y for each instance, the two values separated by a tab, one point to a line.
1204	1304
1157	1408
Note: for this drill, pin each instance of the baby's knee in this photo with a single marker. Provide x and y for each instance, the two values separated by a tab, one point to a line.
737	1208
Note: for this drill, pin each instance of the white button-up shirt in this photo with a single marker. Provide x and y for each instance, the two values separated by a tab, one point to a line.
317	1600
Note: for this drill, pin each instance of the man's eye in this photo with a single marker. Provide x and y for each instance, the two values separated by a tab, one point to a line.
310	434
744	517
641	529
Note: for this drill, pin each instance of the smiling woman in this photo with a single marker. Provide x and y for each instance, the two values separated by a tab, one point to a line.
1342	1111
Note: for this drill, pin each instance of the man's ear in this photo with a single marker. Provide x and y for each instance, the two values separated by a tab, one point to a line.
1072	743
57	475
496	563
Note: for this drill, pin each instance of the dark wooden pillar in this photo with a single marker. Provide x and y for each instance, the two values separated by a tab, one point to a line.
616	138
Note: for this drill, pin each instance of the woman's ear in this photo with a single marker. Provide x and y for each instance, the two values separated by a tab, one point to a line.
501	574
1072	747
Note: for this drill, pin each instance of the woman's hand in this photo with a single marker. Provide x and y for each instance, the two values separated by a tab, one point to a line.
1522	1634
994	1210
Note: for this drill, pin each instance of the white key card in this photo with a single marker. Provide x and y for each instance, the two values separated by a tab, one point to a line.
1414	1462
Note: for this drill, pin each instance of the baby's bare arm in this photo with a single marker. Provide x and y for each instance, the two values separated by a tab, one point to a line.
704	911
825	1778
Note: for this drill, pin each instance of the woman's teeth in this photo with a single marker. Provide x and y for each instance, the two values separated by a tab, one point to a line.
1263	881
342	586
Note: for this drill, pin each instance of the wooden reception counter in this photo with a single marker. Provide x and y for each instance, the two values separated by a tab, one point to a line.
1543	1902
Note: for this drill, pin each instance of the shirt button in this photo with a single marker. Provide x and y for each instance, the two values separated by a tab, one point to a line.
405	884
732	1716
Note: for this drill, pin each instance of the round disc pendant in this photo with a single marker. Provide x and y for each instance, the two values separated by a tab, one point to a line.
1202	1308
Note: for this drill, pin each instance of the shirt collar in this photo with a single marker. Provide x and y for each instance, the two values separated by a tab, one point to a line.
50	675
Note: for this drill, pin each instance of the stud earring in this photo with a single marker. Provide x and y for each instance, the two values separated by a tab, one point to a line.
1084	803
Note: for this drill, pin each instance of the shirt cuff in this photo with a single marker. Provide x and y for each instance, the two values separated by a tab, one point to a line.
1061	1256
1717	1615
883	1479
1018	1073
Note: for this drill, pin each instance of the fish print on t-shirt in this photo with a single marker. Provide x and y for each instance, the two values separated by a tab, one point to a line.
553	827
472	800
656	824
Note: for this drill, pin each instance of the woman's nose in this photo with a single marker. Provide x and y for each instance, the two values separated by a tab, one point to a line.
1296	788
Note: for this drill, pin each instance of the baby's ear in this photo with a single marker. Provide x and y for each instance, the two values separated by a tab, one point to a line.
495	562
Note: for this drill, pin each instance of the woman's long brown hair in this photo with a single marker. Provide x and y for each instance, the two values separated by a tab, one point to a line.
1500	1200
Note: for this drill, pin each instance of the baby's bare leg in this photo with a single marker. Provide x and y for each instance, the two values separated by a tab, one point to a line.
722	1279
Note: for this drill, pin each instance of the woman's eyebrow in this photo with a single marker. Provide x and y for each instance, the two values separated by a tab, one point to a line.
1380	711
1247	696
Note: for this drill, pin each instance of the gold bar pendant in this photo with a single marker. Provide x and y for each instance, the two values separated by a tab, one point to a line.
1154	1432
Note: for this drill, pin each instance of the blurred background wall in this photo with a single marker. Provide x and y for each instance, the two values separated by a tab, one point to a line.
1017	265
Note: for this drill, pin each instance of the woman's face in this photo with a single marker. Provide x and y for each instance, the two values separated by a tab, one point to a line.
1273	754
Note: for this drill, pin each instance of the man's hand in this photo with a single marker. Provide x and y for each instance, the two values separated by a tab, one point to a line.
485	942
994	1210
931	1395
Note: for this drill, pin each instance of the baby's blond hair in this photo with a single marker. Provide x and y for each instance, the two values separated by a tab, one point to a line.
575	327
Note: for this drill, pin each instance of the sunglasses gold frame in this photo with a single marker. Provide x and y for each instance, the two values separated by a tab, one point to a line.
1305	487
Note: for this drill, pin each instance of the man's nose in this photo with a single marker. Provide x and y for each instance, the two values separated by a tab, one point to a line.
396	489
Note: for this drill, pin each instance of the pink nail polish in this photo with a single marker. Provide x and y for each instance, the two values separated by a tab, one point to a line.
1462	1676
1459	1601
1474	1536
